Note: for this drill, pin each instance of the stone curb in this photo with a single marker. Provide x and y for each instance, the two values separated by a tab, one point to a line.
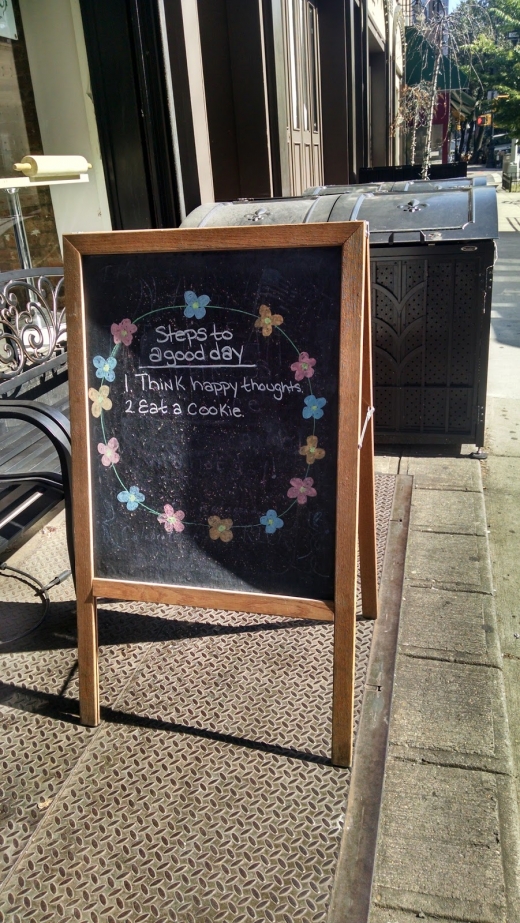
448	846
351	893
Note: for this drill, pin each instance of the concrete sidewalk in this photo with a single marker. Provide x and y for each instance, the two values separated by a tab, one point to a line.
448	836
448	844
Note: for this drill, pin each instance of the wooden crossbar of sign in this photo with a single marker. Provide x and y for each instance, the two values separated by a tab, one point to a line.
220	382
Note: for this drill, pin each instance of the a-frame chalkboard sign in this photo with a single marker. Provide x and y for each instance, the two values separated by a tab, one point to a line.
219	385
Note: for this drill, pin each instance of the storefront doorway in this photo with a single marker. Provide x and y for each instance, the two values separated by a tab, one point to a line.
302	67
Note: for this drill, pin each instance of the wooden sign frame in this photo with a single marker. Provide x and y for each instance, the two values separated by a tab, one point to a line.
355	399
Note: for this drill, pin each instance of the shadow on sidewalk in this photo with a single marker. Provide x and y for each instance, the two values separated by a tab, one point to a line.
62	708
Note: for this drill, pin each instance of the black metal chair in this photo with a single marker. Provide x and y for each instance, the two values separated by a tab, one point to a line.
33	363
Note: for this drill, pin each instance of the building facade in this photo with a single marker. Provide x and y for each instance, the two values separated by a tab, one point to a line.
178	102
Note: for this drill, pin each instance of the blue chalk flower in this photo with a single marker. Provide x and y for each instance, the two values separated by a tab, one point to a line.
195	305
105	367
313	407
271	521
132	498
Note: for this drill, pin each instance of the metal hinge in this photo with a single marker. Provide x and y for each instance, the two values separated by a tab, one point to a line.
480	414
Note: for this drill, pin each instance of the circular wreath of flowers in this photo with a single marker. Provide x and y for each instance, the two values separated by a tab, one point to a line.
174	521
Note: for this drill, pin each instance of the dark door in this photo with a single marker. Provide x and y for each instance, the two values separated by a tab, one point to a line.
127	71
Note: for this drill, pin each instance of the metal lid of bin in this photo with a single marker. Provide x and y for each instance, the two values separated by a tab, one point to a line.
414	213
418	210
418	185
288	210
451	213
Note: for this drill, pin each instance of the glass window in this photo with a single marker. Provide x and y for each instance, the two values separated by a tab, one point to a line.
20	135
314	51
305	64
293	66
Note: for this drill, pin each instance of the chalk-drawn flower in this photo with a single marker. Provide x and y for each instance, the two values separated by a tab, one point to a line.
301	489
132	498
311	451
105	367
304	368
171	520
195	305
313	407
267	321
109	453
101	400
220	528
123	332
271	521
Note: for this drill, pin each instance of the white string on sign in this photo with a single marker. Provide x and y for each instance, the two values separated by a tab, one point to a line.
370	413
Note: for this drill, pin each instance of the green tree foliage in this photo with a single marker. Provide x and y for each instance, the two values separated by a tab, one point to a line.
489	57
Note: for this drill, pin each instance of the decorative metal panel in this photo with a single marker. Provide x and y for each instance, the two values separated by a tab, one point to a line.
429	337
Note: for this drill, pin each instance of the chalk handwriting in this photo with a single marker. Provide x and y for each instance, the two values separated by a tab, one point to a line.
217	350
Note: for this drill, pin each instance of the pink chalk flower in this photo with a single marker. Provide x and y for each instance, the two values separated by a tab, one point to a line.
171	520
301	489
109	453
123	332
304	368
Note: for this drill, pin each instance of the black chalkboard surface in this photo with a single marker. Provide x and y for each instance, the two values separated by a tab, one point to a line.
215	464
217	381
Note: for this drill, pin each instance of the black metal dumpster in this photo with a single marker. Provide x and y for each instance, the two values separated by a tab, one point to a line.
436	171
431	256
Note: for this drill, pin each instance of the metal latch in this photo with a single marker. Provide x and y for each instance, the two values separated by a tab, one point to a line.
258	215
413	206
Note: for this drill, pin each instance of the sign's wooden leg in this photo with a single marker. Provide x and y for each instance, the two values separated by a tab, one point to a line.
347	508
88	662
367	498
343	684
367	535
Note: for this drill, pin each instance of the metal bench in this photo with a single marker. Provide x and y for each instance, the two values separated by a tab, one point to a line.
35	457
